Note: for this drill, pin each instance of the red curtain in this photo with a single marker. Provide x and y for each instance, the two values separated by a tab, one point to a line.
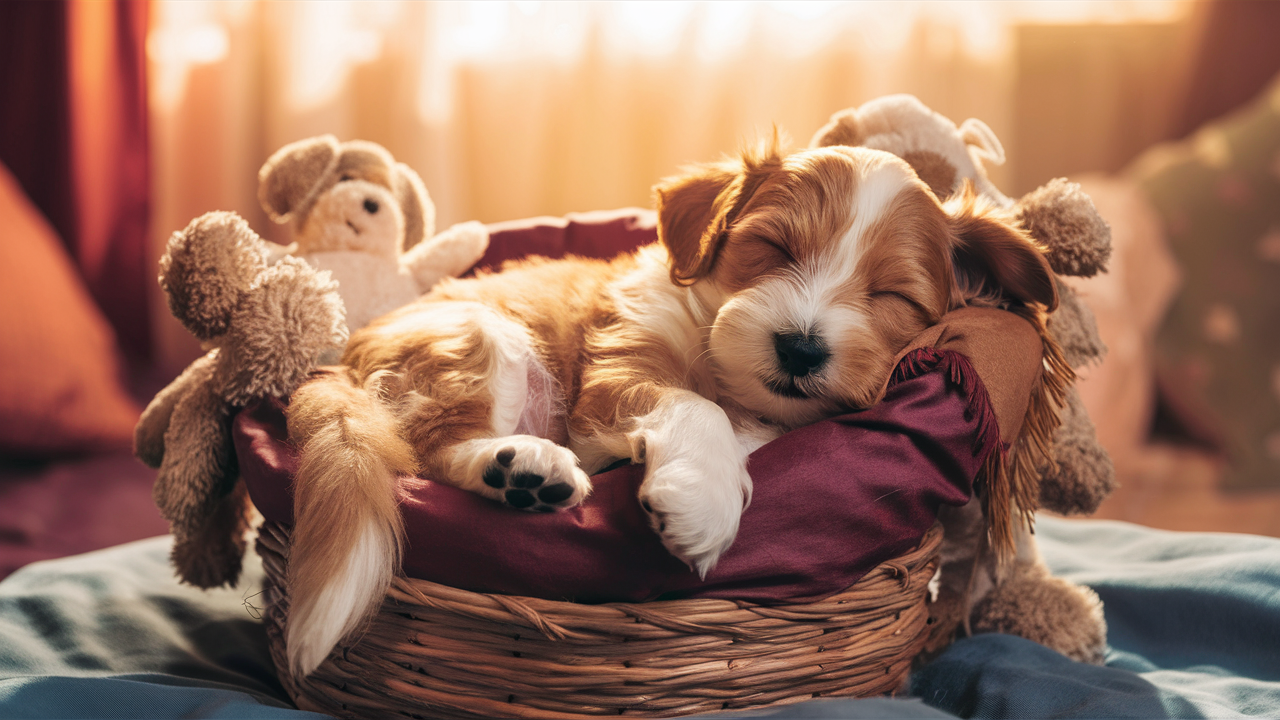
73	130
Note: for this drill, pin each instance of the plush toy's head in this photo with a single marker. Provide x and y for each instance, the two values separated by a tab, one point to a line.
346	196
942	154
270	323
208	269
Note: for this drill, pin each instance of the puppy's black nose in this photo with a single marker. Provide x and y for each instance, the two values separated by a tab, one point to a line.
371	206
800	354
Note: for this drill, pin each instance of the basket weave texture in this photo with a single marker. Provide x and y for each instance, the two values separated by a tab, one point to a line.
439	652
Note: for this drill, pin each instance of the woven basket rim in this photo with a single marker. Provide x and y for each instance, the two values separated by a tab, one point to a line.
439	651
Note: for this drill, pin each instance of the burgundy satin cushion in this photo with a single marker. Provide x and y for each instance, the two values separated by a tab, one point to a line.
596	234
832	500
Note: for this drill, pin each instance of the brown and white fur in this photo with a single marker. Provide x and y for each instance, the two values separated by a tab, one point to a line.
779	293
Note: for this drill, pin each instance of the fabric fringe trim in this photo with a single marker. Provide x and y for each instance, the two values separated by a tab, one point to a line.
1007	482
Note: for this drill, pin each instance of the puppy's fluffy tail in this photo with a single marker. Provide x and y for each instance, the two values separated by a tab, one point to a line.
347	524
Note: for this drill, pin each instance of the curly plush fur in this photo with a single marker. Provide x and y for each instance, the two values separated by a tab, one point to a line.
267	327
1080	240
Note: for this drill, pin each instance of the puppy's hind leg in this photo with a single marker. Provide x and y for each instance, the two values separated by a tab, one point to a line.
490	435
441	388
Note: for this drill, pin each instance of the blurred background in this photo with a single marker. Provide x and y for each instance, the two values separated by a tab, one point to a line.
120	121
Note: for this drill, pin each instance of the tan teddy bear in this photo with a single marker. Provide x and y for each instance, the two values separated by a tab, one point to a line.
366	219
1058	463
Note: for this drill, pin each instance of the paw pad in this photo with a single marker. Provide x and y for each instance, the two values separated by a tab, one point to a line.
524	489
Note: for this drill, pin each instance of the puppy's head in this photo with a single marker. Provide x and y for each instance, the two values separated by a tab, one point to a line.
821	266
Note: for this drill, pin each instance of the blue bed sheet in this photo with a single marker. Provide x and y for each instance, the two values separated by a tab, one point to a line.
1194	624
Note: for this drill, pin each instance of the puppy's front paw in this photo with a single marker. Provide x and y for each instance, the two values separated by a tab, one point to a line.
530	473
695	510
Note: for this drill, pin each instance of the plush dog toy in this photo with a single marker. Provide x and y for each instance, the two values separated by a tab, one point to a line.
271	313
367	219
1057	463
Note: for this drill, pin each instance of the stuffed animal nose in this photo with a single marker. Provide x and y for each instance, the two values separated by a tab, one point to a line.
799	353
371	206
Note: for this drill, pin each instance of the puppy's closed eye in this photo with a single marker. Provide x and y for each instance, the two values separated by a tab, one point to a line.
749	256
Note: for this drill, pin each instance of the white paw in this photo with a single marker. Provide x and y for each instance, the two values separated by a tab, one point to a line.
527	473
695	508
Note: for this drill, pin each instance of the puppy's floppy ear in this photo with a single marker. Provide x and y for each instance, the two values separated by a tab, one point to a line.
419	212
696	209
994	257
287	182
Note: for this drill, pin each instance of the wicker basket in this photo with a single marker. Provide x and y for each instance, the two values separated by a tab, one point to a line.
439	652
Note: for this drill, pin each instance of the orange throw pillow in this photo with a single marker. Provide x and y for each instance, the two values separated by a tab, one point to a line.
60	387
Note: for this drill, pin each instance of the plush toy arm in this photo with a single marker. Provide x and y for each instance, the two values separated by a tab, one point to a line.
198	470
148	436
448	254
198	459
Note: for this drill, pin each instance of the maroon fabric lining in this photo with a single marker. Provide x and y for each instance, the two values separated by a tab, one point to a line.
596	234
962	374
832	500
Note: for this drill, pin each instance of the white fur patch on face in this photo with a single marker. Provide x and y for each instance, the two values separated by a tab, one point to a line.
742	343
880	182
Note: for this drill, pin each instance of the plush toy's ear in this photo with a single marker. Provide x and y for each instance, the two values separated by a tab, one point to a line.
696	208
984	142
935	170
288	181
841	129
1063	218
293	317
207	269
993	258
415	203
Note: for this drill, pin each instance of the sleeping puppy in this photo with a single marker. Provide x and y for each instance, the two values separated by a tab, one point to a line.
779	293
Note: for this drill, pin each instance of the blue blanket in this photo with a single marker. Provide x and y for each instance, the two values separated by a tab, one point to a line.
1194	623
